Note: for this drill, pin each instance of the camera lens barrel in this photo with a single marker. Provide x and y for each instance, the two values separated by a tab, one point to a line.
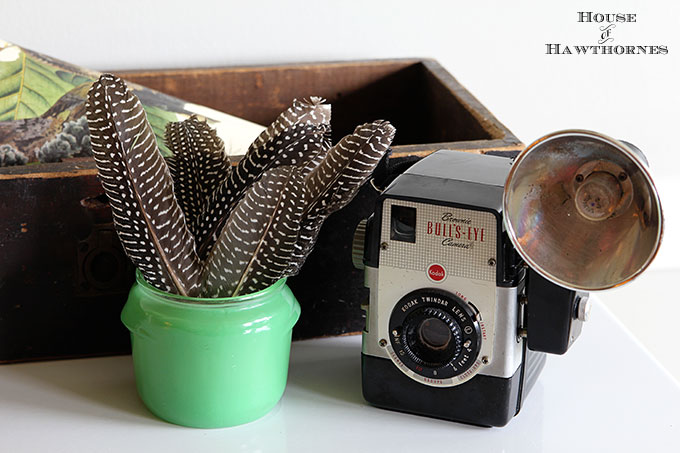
432	337
435	334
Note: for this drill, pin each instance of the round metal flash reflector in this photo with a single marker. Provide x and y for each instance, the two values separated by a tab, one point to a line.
582	210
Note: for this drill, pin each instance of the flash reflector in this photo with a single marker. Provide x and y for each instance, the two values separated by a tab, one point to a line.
582	210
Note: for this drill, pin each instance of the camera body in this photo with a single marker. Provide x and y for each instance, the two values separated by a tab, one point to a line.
457	326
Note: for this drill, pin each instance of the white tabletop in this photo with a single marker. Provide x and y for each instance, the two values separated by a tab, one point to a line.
606	394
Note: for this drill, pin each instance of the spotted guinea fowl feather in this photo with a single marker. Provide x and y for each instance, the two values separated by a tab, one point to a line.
312	111
149	222
198	166
296	137
299	144
335	181
347	165
254	248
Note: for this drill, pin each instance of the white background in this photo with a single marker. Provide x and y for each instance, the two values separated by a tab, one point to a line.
495	48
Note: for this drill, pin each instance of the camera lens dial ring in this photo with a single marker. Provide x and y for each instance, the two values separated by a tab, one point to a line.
435	335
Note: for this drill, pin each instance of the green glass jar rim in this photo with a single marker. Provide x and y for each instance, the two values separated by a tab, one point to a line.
210	302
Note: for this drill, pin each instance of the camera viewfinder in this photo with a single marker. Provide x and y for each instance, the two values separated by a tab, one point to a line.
403	224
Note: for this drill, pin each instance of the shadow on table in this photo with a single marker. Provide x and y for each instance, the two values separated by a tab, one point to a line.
330	368
101	387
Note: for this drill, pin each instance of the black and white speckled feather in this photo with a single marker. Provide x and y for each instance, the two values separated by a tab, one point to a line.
199	165
298	136
149	222
299	145
254	249
335	181
312	111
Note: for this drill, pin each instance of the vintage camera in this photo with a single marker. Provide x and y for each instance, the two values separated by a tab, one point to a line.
479	265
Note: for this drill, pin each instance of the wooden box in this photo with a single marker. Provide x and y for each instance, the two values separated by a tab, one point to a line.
63	275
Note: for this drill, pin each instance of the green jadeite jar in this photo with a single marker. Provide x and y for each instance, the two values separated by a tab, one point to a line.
210	363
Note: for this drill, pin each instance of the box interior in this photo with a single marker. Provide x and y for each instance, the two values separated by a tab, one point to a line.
405	92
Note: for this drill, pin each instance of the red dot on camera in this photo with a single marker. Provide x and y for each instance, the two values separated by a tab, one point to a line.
436	272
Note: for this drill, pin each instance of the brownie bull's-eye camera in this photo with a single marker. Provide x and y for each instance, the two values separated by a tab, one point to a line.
480	265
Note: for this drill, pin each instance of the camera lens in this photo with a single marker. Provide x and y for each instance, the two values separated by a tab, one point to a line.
432	337
434	333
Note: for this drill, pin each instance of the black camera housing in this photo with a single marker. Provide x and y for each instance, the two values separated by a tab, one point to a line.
483	401
546	319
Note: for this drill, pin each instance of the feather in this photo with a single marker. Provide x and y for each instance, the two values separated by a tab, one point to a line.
313	111
254	248
149	222
299	145
198	166
335	181
310	226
